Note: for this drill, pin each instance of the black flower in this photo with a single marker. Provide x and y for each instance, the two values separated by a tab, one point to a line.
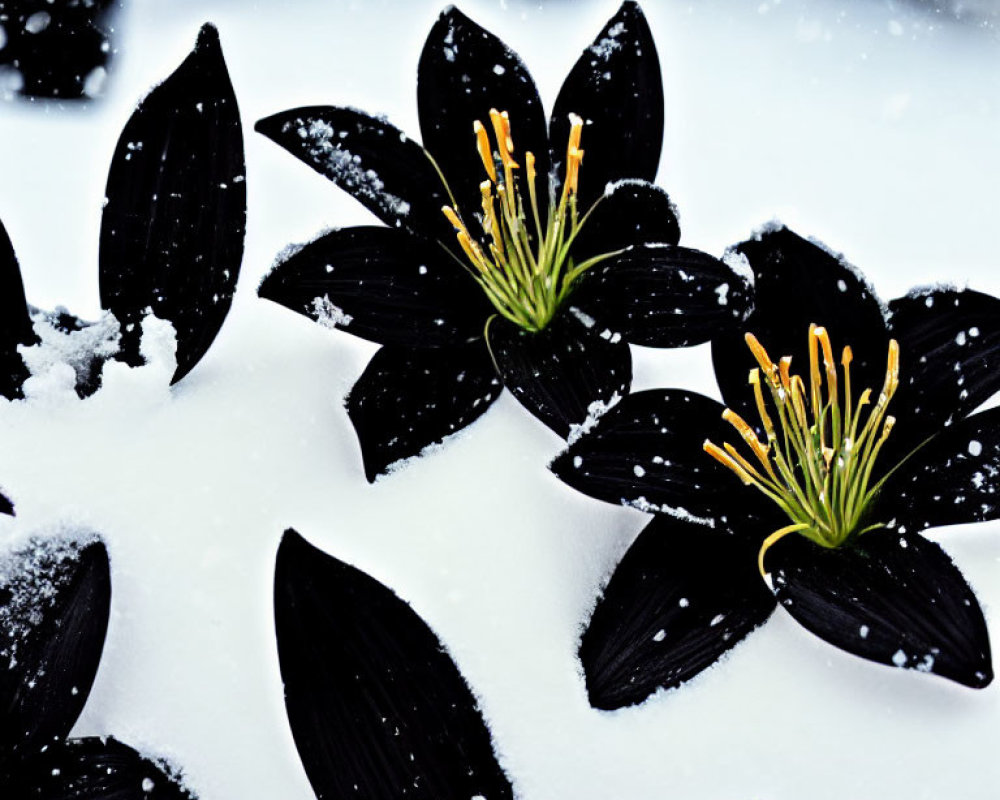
860	576
55	597
556	264
54	49
172	228
376	706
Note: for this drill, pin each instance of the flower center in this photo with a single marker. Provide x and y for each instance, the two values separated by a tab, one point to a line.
818	459
526	272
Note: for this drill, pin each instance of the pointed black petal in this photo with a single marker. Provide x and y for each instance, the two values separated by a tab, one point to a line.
371	160
797	282
680	598
58	49
563	373
892	598
376	706
953	479
381	284
949	344
464	71
407	400
6	506
632	212
667	296
646	452
617	89
15	322
93	769
55	598
172	231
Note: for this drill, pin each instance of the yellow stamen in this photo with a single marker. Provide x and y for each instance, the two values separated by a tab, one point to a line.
760	354
452	217
483	146
727	461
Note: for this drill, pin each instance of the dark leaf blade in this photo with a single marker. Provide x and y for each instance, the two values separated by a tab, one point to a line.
381	284
173	226
680	598
666	296
893	598
954	478
647	453
464	71
371	160
58	49
56	599
407	400
93	769
949	344
564	373
798	282
632	212
616	88
15	321
376	706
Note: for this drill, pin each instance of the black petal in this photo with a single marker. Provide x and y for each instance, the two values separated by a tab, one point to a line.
565	372
407	400
464	71
385	285
949	343
952	479
93	769
680	598
172	231
54	602
56	47
892	598
647	452
797	283
371	160
6	506
617	89
633	212
376	706
666	296
15	323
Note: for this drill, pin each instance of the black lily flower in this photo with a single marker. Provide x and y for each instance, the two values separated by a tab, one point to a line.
55	597
507	257
172	226
376	706
857	460
55	48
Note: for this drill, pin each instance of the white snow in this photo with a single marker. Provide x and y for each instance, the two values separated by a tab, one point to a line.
192	486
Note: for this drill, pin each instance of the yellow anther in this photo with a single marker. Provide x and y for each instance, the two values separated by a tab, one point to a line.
847	357
784	365
501	129
575	133
574	158
452	217
471	250
727	461
529	160
483	146
760	354
892	369
748	434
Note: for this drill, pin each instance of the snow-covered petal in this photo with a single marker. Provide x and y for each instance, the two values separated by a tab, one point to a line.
953	479
892	598
93	769
376	706
680	598
59	49
949	344
631	212
798	282
15	323
567	372
464	71
667	296
381	284
55	597
172	230
646	452
407	400
616	88
371	160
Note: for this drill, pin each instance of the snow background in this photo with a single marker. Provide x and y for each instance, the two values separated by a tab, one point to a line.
873	126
